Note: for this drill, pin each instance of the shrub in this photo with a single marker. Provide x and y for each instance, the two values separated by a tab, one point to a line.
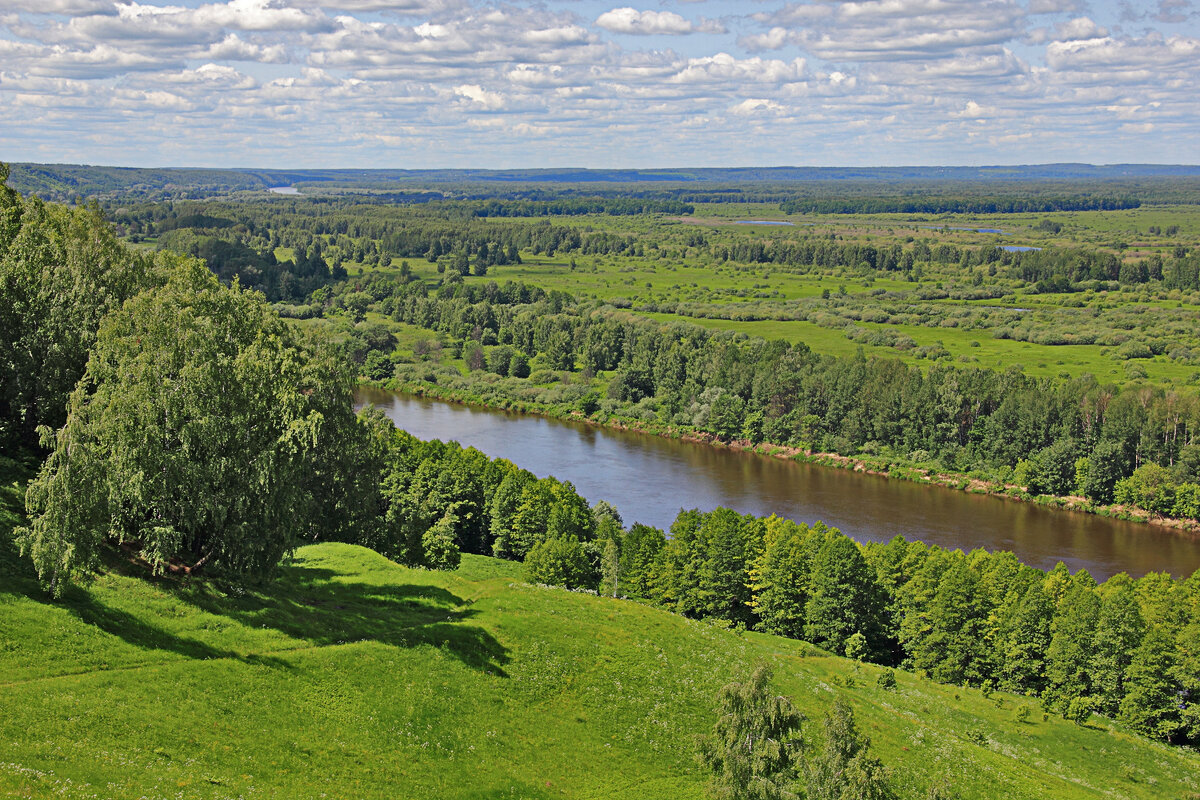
560	562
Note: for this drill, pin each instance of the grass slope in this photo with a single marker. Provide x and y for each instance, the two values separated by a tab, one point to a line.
353	677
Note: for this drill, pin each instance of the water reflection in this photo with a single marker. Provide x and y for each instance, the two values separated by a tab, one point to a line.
650	479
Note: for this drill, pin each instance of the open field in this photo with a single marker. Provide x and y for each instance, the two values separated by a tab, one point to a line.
973	316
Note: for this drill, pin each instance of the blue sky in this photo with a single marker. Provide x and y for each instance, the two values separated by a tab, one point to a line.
467	83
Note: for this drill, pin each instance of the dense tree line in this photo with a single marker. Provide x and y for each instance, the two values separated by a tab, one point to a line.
925	204
438	499
1057	436
1129	649
325	234
61	271
575	206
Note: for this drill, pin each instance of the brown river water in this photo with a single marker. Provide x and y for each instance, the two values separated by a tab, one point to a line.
649	479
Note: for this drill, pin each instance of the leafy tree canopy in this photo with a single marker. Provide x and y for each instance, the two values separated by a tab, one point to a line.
196	436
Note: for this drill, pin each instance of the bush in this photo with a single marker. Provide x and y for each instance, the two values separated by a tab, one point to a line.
1079	710
560	562
1150	487
438	543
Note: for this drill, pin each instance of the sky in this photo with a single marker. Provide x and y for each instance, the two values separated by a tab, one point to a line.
472	83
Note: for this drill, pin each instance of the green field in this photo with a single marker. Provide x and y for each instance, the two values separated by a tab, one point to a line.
353	677
1013	325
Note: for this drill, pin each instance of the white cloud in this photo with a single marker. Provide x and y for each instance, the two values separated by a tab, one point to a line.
480	96
723	67
773	39
1116	56
631	21
1054	6
69	7
890	30
1079	29
454	82
757	105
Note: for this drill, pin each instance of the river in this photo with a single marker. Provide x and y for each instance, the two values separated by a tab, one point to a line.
649	479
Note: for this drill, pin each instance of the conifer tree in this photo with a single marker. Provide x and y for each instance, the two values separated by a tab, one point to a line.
844	598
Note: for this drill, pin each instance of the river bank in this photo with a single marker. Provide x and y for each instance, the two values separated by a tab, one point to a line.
879	466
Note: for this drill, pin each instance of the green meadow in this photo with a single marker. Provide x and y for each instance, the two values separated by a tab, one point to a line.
350	676
968	318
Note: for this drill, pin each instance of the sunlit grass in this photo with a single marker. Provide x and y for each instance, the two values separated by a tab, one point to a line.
352	677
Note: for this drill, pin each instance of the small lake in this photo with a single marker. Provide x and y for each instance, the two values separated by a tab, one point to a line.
284	190
1019	248
763	222
649	479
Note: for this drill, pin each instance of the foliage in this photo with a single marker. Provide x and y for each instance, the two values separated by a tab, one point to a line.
560	561
980	618
194	436
843	768
61	271
754	750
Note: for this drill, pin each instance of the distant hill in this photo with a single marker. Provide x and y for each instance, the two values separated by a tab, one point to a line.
68	181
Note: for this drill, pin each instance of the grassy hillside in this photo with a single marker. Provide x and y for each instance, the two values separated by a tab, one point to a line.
353	677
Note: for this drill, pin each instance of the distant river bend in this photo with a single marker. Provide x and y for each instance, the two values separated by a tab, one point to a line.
650	478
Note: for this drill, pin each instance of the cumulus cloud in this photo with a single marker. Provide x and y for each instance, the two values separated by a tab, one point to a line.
757	105
889	30
723	67
469	81
1079	29
1115	56
480	96
631	21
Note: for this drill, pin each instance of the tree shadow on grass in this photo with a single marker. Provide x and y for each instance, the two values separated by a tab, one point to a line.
19	579
307	603
139	633
312	604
